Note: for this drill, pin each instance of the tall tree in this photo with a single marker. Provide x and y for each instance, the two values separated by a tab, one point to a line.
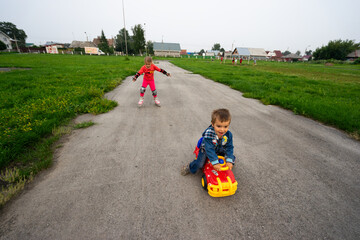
337	49
138	38
12	31
216	47
104	45
287	52
308	52
150	47
120	41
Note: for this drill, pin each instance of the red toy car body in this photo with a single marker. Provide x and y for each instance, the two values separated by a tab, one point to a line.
217	183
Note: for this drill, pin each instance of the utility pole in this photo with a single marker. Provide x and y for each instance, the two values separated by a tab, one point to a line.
124	28
17	47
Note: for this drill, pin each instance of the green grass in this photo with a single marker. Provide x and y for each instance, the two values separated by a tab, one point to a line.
55	89
37	104
84	125
330	94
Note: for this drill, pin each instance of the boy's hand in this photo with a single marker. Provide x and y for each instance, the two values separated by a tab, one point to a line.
230	165
217	167
168	74
134	79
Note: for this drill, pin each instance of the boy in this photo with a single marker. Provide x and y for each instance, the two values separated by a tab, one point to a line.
148	70
217	140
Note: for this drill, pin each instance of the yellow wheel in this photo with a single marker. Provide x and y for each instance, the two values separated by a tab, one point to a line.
204	182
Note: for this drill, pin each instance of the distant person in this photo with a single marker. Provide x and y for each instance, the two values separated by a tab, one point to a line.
241	60
216	141
148	70
233	61
254	61
222	58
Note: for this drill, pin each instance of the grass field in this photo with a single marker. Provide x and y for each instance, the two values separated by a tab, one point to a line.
329	94
53	89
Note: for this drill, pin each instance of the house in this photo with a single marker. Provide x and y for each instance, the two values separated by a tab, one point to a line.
354	55
274	55
241	53
183	52
111	42
166	49
306	58
291	58
81	44
6	39
246	53
211	53
257	53
54	44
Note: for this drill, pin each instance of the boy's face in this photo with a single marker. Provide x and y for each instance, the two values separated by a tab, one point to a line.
220	127
148	64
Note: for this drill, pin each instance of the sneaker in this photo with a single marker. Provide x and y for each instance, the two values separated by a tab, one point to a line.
141	101
157	102
185	170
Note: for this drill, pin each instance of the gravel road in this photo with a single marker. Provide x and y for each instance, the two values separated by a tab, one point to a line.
120	179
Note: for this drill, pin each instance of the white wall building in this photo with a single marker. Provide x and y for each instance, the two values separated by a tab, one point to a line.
6	39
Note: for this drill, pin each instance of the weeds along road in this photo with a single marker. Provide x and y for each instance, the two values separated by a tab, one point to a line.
120	179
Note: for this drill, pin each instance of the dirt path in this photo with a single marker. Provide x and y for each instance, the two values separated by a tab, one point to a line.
120	179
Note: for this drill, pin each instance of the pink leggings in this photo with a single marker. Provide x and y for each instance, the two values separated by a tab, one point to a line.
144	85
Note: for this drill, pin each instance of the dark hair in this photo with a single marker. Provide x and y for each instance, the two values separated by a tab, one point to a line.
222	114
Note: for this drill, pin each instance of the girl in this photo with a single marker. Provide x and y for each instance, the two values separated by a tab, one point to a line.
148	70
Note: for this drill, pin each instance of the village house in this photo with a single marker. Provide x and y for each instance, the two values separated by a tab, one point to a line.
162	49
247	53
82	44
292	57
111	42
54	44
275	55
6	39
354	55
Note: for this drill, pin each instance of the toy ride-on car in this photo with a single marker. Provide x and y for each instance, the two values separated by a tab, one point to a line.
218	183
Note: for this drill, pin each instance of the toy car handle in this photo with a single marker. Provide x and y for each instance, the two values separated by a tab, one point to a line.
223	164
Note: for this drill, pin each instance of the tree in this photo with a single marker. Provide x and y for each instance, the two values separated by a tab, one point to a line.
138	38
308	52
120	41
336	49
104	45
2	46
298	52
12	31
286	53
216	47
150	47
201	52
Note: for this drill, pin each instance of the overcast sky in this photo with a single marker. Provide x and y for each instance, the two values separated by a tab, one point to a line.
195	24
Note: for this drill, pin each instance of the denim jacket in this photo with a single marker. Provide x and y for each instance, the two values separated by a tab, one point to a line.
214	146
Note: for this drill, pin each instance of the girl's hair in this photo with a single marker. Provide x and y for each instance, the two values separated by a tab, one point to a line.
148	59
222	114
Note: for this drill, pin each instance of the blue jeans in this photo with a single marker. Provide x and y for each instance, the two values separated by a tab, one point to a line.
199	162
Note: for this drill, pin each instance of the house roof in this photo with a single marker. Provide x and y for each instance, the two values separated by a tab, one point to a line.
80	44
1	32
292	55
278	53
161	46
257	52
242	51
